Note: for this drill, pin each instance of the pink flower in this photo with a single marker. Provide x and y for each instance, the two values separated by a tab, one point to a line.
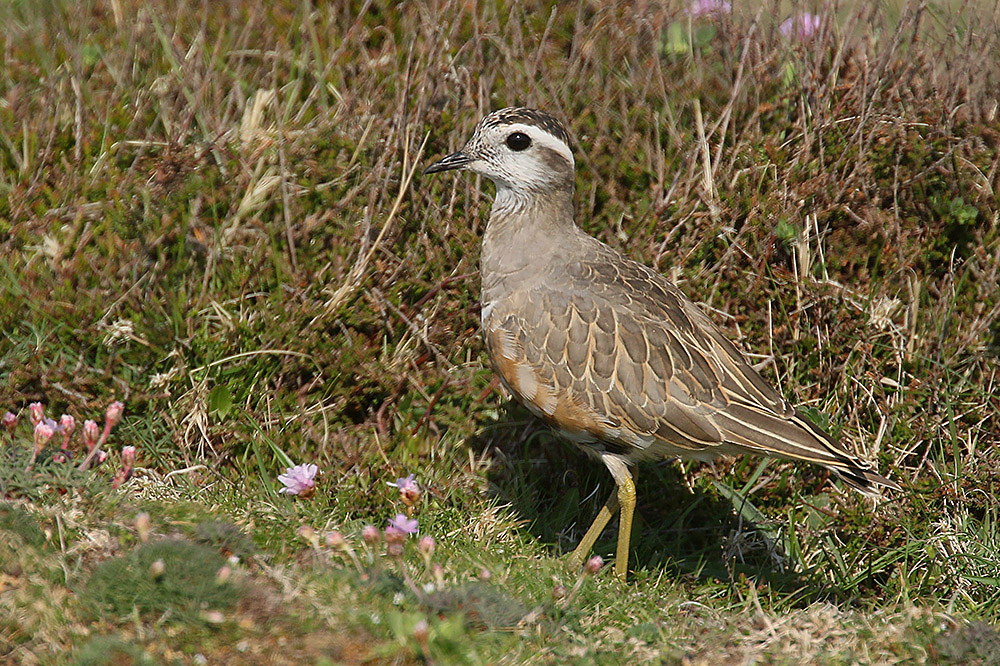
335	540
370	534
128	464
128	457
299	480
803	26
709	8
404	524
113	415
67	424
9	421
36	413
394	535
43	433
409	491
90	433
143	525
594	564
422	633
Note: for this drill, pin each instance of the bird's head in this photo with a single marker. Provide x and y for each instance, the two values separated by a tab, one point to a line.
523	151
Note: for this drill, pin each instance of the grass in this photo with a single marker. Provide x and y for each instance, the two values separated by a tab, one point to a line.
213	213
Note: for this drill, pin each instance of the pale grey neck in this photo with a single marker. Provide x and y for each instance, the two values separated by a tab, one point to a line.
523	237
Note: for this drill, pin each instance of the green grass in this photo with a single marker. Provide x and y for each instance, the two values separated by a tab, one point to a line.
214	214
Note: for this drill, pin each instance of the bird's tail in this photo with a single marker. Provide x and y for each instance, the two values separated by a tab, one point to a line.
795	437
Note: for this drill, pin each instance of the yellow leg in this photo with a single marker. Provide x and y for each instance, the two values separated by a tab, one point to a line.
609	509
623	500
626	498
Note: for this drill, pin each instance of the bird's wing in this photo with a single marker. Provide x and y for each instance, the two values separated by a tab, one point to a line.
627	363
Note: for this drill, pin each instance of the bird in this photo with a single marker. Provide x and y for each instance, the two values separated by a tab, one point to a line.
605	349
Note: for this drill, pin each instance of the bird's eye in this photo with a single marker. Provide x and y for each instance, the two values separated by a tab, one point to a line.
518	141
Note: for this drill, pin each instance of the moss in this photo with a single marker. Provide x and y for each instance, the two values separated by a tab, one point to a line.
224	537
21	524
186	585
111	651
972	643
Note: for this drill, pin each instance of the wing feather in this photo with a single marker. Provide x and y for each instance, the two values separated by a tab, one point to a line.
623	357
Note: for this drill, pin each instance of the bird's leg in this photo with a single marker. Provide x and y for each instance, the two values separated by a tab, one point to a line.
609	509
623	499
626	501
626	498
637	521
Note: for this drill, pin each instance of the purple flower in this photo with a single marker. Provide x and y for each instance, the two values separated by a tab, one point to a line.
709	8
299	480
803	26
407	482
404	524
409	491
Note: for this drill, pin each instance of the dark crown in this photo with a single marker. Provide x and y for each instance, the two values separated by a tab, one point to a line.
525	116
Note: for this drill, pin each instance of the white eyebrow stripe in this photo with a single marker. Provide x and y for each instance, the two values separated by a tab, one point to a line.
543	138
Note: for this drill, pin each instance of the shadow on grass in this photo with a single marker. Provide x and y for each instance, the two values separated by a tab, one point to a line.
695	534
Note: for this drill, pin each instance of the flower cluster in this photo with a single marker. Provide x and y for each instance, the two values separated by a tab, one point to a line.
300	481
393	553
802	27
377	543
46	432
700	8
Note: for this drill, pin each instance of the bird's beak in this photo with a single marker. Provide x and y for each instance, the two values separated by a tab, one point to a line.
453	161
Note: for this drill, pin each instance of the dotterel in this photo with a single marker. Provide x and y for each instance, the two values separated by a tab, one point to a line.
605	349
